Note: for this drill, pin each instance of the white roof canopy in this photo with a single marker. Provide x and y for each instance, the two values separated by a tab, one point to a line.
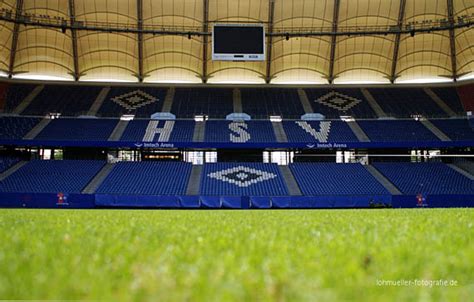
31	51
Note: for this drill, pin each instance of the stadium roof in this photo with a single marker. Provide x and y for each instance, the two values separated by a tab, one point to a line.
339	41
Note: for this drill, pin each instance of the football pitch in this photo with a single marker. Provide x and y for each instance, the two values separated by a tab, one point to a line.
261	255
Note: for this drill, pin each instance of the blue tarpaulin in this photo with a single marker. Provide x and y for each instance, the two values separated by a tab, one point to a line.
189	201
257	202
210	201
231	202
51	200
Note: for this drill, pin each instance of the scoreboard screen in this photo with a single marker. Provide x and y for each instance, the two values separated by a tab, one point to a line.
238	42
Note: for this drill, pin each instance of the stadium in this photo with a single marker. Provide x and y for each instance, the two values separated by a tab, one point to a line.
236	150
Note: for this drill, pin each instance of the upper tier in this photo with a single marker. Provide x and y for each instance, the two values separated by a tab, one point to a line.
217	102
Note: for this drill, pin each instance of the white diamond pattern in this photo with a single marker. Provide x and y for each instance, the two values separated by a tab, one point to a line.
242	176
338	101
134	100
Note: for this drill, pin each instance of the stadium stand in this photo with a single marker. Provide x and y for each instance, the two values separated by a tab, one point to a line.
16	93
242	179
16	127
334	103
337	131
264	102
456	129
396	131
335	179
38	176
428	178
7	161
140	101
214	102
450	97
239	132
80	129
147	178
136	100
405	102
67	100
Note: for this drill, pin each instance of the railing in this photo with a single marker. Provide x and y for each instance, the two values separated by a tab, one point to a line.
254	118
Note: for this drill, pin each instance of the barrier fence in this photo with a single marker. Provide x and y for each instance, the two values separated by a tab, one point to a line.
90	201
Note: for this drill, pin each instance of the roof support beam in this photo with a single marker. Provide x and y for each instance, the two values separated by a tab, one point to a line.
205	39
396	46
140	74
452	40
16	33
271	13
335	21
72	16
429	27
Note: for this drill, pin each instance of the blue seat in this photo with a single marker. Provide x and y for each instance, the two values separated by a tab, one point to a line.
16	127
335	179
78	129
49	176
264	102
67	100
405	102
455	129
147	178
16	93
214	102
450	97
428	178
7	161
397	131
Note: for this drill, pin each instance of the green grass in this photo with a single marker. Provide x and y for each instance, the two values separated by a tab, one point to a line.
287	255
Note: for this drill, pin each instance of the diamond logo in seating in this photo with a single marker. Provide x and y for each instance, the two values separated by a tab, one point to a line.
242	176
134	100
338	101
